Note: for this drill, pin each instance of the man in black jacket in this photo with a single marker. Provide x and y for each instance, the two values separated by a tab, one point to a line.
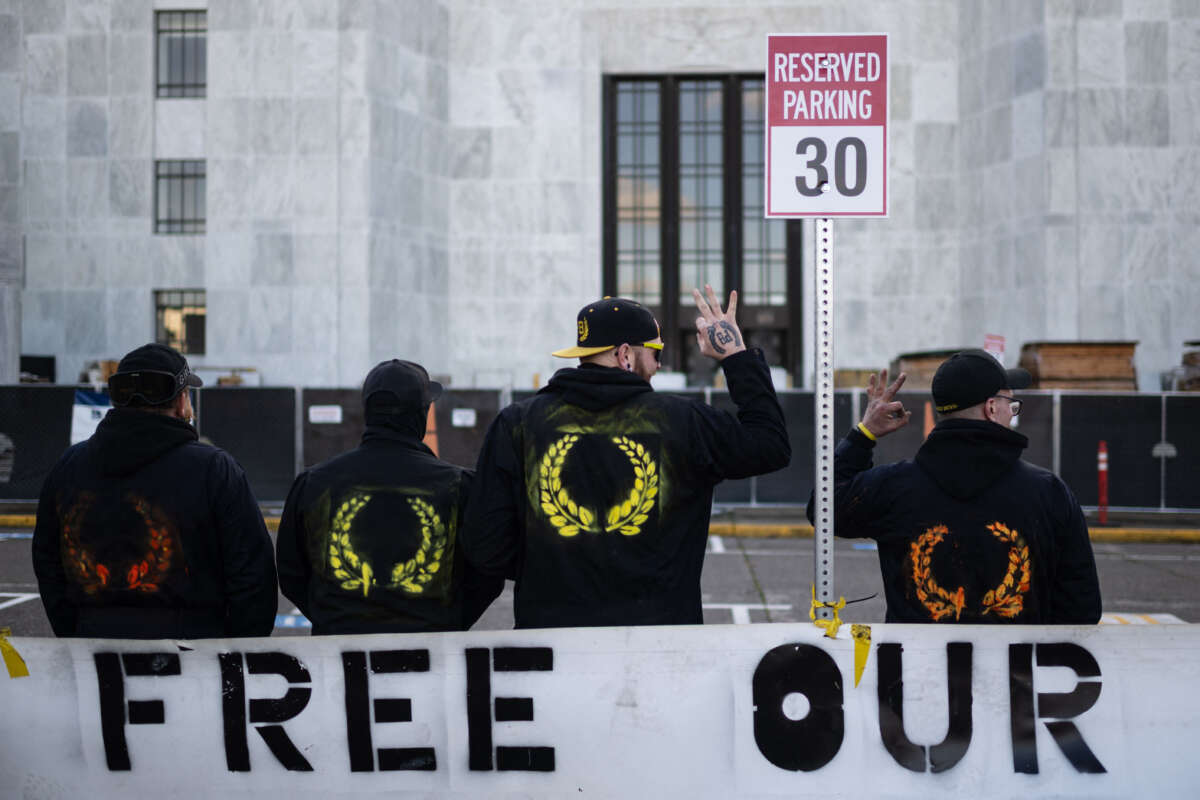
368	539
144	533
967	531
595	494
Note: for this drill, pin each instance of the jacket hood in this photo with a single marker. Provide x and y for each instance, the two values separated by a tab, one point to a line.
595	388
411	439
127	440
965	456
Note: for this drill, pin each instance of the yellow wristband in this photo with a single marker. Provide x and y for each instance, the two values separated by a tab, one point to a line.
863	430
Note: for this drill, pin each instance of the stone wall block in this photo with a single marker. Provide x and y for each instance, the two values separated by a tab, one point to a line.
87	64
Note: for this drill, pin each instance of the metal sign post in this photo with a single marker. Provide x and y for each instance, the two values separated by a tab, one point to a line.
826	155
823	419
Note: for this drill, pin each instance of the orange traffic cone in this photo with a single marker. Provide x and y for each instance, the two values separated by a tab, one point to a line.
431	430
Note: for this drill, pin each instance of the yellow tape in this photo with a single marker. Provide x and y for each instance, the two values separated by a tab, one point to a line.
829	625
862	648
12	659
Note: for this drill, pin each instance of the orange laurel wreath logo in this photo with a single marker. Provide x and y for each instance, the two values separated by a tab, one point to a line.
144	575
1006	600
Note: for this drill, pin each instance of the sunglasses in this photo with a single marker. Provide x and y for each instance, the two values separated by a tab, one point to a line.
151	386
657	348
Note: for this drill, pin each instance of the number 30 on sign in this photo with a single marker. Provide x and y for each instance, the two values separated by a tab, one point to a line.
826	119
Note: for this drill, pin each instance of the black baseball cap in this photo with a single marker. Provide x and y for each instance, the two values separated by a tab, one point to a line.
153	373
610	323
968	378
397	386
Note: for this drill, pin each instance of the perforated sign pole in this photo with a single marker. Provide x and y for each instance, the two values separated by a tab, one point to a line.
826	156
823	491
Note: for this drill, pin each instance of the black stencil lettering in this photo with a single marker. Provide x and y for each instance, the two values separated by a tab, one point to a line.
391	661
527	759
891	710
234	708
514	709
1020	705
393	709
949	751
387	709
112	710
508	709
111	683
805	744
1065	705
523	659
479	710
358	711
233	712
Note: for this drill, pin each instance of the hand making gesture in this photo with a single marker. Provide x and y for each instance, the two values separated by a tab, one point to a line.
716	331
884	414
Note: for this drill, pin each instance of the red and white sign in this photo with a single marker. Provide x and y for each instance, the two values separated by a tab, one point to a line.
994	344
826	116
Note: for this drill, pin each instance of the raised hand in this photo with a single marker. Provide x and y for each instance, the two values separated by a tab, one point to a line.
884	414
717	332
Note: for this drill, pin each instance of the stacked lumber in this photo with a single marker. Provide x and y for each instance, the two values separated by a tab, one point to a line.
919	366
1189	377
851	378
1101	366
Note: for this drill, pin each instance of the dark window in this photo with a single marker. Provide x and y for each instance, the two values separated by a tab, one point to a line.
179	319
182	58
179	196
683	206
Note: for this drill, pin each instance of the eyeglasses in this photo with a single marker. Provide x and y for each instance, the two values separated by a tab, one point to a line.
657	348
1014	405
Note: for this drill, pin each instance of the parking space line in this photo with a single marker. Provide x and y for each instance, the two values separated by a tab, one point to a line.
715	545
16	598
741	611
1126	618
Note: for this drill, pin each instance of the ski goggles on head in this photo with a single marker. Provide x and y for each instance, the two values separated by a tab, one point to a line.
151	386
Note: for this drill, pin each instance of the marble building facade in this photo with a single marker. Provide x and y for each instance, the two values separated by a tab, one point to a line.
423	179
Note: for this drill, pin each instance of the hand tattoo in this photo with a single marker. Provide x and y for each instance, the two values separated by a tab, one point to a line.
723	333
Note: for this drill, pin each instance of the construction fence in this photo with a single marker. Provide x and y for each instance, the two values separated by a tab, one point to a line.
1152	439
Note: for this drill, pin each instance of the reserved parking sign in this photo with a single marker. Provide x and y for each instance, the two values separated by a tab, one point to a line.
826	117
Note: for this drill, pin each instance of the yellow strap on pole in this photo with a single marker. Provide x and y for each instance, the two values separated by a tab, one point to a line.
12	659
830	626
862	648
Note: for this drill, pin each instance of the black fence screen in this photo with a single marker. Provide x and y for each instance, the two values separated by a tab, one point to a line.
258	428
1153	440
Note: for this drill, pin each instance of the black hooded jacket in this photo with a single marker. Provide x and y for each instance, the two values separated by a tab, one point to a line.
967	531
143	532
595	494
368	541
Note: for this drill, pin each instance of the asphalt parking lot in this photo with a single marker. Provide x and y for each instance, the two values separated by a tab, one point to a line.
755	581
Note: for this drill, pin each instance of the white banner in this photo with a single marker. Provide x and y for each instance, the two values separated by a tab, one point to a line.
704	711
89	409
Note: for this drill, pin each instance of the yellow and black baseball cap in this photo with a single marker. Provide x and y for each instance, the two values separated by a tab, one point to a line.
968	378
610	323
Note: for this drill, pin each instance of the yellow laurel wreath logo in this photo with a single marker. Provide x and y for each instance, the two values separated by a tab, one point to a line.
413	575
352	571
1005	600
583	331
628	517
569	518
